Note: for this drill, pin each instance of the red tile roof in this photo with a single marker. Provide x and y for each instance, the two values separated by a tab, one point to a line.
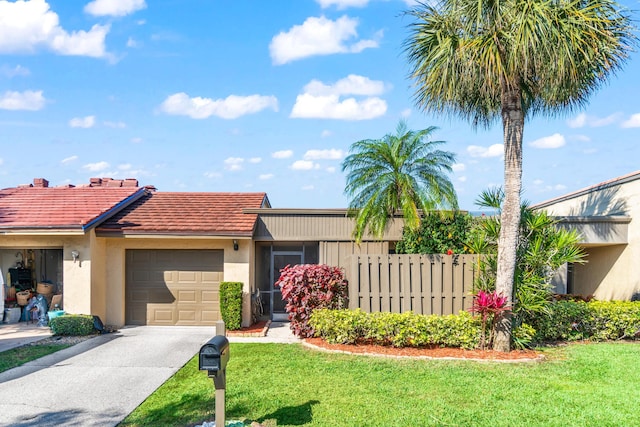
61	207
210	214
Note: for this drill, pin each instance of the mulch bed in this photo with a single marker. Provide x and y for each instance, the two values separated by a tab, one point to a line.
258	329
426	353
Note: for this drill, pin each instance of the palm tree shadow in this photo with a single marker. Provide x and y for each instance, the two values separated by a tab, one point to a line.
292	415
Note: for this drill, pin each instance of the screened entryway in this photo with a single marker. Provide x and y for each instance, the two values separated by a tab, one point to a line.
270	259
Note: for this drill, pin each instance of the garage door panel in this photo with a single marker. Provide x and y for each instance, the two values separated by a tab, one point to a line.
173	287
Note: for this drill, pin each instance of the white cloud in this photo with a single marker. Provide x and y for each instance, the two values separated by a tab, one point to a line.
318	36
405	113
582	138
331	169
231	107
212	175
342	4
538	182
28	25
330	107
131	42
554	141
304	165
83	122
559	187
115	125
632	122
265	176
582	120
462	179
255	160
458	167
326	133
125	166
282	154
96	167
114	7
353	84
16	71
136	140
233	163
307	187
28	100
322	101
494	150
330	154
69	159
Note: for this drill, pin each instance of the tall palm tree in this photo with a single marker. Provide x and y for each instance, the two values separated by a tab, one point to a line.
403	172
511	59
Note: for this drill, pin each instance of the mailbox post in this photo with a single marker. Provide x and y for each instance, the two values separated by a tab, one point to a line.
213	358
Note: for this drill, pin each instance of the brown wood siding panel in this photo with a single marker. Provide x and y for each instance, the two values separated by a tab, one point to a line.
173	287
424	284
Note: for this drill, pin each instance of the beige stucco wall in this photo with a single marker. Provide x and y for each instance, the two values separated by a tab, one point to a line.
612	271
236	267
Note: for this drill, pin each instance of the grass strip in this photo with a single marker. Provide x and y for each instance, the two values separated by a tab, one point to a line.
19	356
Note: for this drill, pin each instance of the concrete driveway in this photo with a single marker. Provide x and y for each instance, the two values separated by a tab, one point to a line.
97	382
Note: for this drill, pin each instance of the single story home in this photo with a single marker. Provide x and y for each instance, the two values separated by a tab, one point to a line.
133	255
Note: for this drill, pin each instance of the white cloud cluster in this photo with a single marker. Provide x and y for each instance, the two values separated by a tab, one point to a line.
322	101
282	154
27	25
582	120
265	176
96	167
342	4
114	7
554	141
232	107
494	150
632	122
458	167
233	163
115	125
83	122
319	36
69	159
329	154
304	165
28	100
16	71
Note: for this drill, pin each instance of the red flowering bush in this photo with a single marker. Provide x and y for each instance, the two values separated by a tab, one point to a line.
309	287
487	305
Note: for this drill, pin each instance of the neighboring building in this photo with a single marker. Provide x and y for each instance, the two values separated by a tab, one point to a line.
607	215
133	255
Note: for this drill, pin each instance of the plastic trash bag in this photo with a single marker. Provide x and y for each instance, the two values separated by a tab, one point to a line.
41	304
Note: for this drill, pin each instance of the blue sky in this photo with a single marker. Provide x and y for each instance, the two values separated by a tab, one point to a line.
239	95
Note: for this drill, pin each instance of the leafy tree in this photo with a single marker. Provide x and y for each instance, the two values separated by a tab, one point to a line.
439	233
403	172
484	59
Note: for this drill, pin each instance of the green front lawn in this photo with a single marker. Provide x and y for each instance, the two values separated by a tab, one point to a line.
19	356
580	385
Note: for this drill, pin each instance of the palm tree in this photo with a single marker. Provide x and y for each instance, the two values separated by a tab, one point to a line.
403	172
487	59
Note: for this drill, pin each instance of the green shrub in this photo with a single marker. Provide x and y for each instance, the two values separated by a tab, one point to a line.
231	304
400	330
72	324
439	233
595	320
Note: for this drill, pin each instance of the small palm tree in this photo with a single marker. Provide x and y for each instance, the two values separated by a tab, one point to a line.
402	172
485	60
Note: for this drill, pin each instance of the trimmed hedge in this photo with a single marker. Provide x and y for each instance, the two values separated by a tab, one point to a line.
72	324
595	320
399	330
231	304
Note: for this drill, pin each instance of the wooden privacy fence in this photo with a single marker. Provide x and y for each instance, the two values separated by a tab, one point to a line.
424	284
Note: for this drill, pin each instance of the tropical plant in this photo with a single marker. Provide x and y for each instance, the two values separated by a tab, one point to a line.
482	60
403	172
488	305
541	249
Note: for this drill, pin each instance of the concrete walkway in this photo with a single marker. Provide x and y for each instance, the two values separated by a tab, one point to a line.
100	381
18	334
97	382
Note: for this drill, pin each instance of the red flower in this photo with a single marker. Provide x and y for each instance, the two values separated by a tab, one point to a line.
449	252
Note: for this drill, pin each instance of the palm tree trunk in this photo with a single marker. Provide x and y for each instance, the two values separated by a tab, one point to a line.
513	127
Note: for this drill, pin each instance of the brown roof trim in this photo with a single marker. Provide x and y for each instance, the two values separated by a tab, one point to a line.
186	234
601	186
